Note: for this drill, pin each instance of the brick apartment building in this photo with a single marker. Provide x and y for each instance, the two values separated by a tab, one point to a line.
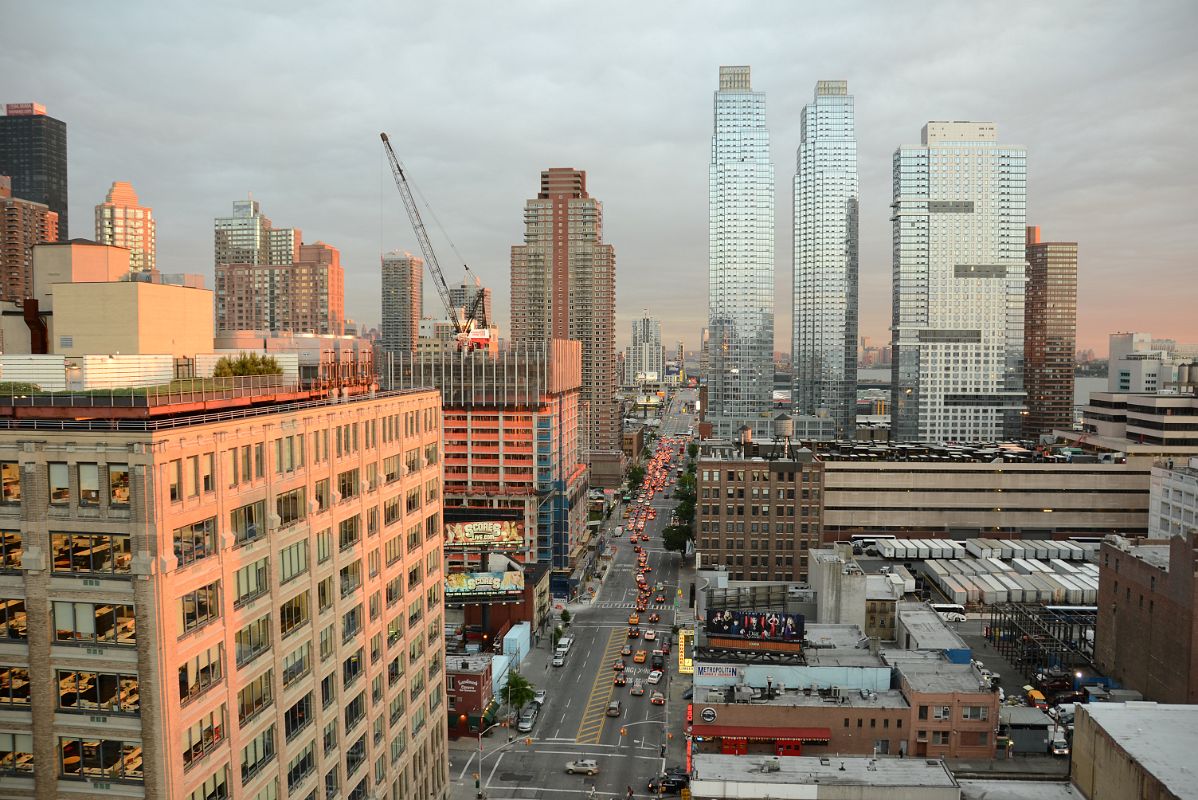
758	517
244	602
1146	631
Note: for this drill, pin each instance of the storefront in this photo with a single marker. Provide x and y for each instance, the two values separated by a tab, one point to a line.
739	740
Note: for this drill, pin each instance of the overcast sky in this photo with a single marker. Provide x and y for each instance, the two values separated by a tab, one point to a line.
199	104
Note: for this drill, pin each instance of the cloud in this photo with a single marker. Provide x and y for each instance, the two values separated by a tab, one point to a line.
200	104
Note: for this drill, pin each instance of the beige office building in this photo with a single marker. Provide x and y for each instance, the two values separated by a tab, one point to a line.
240	606
122	221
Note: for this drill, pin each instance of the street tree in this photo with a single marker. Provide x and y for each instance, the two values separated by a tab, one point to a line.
565	616
636	476
519	692
675	537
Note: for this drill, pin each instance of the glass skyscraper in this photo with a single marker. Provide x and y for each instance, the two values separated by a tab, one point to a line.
740	297
825	259
959	265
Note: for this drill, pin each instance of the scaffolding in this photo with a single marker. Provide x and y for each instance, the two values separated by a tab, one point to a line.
1033	638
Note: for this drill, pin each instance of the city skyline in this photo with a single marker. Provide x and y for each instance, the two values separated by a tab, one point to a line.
331	176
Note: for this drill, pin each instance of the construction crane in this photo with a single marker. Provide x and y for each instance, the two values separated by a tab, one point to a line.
468	334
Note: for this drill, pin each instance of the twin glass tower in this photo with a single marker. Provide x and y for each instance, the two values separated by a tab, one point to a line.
741	268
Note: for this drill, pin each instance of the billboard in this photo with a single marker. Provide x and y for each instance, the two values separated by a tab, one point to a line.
484	587
766	626
484	535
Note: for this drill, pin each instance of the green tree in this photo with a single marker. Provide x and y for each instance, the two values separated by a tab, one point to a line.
557	635
636	476
565	616
675	537
519	691
692	450
686	500
246	364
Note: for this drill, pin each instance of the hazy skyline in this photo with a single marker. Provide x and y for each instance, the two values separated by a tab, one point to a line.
200	105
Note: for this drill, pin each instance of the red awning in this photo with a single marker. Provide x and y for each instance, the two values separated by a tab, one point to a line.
762	732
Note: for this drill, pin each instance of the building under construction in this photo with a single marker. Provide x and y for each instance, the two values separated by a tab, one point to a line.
1037	637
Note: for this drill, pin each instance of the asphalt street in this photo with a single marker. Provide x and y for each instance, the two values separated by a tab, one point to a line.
573	722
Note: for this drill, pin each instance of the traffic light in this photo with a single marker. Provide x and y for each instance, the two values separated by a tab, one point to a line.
623	731
528	740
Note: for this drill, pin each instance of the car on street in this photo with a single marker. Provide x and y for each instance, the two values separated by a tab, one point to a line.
638	688
661	598
655	675
657	699
650	636
626	650
583	766
613	708
620	680
668	784
618	666
660	586
688	694
559	659
634	633
540	697
633	619
1060	745
528	717
655	617
639	657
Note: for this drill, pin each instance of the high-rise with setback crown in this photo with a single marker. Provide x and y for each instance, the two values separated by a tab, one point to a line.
564	287
740	297
825	259
959	266
122	221
646	361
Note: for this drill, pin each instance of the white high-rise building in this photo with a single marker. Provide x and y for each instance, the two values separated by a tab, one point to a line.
959	215
403	301
825	259
123	221
740	296
645	362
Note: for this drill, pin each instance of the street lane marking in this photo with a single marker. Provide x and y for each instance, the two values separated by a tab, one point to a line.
595	711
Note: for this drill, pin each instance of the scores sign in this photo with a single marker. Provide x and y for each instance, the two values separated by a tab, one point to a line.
484	587
766	626
484	535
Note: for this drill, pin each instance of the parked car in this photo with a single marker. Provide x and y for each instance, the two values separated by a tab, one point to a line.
528	717
583	766
613	708
540	697
688	694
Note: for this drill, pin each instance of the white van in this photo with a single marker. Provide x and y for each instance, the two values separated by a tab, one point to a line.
564	643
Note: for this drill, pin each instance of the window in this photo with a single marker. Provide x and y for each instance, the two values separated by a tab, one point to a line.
289	453
60	485
355	712
351	577
324	545
349	532
347	484
89	485
398	745
324	595
293	561
297	663
88	553
252	640
11	550
100	759
941	737
255	696
391	468
351	623
328	689
196	541
253	581
941	712
16	753
399	704
203	736
10	478
432	527
207	472
321	491
174	473
301	766
199	673
330	737
14	686
393	549
327	641
257	754
975	712
291	506
391	512
351	668
247	522
104	692
298	717
94	623
293	614
198	608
